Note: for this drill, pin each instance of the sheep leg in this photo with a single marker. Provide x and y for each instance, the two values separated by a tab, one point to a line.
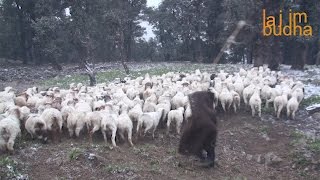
154	129
253	110
223	106
293	114
70	132
10	143
104	136
130	137
259	110
178	127
168	125
275	109
113	137
138	126
77	131
234	108
288	112
279	111
148	127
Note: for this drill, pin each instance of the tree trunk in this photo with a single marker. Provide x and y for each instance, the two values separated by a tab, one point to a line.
318	55
299	60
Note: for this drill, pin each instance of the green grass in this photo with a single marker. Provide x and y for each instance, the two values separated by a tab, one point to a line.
110	75
9	166
264	129
314	146
300	159
310	101
74	154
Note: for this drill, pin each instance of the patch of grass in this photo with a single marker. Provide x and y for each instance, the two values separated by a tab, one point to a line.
310	101
141	151
74	154
111	74
314	146
264	129
298	137
64	82
9	167
171	151
300	159
113	169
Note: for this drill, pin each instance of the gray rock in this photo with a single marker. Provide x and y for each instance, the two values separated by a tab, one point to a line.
249	157
271	159
316	116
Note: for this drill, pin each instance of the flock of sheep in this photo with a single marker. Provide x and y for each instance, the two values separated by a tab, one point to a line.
141	103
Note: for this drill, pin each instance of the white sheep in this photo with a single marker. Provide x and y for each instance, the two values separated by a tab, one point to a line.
36	127
225	98
292	106
93	122
9	129
175	116
279	103
247	93
109	122
135	112
76	120
255	102
236	100
124	125
179	100
53	119
150	120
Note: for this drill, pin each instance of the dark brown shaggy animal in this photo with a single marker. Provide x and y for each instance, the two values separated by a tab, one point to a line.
200	132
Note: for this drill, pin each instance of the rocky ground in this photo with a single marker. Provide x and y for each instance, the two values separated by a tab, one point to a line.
247	148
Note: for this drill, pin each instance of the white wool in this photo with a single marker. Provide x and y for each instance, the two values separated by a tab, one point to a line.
147	93
52	117
292	106
35	124
238	86
109	122
150	120
32	101
149	107
179	100
132	93
298	92
255	102
236	100
98	105
9	129
93	121
125	125
135	112
24	113
216	97
65	111
225	98
247	93
279	103
83	107
76	120
177	117
274	92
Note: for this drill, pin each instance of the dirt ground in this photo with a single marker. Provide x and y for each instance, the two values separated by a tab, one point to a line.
247	148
